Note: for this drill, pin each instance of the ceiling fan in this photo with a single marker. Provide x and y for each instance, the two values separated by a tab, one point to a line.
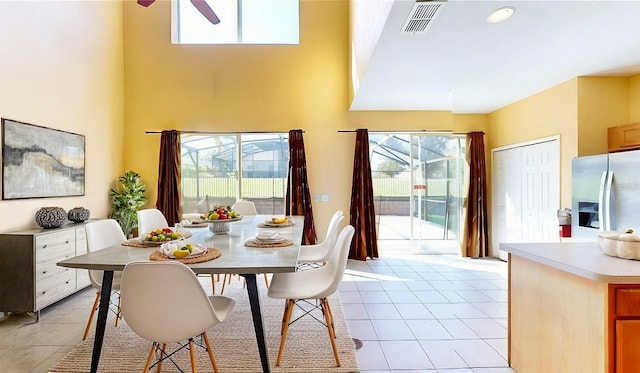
201	5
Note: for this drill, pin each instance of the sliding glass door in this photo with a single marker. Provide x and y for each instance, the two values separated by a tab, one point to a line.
418	188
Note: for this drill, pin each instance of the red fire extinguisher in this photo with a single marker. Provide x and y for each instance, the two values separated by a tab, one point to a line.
564	219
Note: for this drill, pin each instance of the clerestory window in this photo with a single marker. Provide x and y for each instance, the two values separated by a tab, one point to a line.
240	22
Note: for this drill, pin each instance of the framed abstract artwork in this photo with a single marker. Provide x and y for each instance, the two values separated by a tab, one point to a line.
39	162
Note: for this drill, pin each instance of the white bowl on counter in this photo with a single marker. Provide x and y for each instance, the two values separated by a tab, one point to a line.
619	244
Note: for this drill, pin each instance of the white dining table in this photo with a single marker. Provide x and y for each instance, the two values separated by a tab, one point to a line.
235	258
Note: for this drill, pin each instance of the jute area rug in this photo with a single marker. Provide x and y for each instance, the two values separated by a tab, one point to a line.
308	348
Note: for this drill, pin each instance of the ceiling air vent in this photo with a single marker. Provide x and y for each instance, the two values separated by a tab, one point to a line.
421	16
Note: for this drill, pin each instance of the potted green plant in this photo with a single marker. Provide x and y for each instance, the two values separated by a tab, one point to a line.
126	199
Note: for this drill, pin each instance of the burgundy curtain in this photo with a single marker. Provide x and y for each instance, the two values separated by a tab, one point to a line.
169	177
475	241
362	212
298	200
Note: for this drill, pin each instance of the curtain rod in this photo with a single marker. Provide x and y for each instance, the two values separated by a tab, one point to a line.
217	133
406	131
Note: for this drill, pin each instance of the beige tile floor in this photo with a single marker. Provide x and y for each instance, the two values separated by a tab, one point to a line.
414	313
427	313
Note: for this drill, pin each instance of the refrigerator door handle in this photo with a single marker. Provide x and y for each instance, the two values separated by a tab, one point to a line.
608	212
602	216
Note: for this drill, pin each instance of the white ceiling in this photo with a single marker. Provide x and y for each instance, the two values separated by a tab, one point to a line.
468	66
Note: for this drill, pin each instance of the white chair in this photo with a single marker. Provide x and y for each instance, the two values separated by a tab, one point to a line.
316	255
245	208
150	219
317	283
157	294
102	234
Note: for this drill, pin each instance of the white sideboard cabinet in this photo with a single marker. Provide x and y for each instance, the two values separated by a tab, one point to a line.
30	280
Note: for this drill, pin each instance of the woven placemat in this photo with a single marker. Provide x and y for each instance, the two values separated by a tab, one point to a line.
138	242
256	243
211	254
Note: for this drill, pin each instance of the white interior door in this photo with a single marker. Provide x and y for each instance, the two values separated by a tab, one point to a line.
526	193
507	196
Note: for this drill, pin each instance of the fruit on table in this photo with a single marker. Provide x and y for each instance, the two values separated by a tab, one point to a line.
181	253
279	220
162	234
221	213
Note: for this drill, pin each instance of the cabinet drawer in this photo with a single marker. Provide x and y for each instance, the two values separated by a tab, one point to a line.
55	288
628	302
55	246
43	272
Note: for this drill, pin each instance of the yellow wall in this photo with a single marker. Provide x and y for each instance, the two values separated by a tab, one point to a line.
548	113
634	99
602	103
256	88
62	68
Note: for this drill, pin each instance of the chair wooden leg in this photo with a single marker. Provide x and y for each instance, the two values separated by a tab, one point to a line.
192	355
285	328
150	358
284	317
213	285
93	311
159	366
224	281
210	351
327	316
330	313
118	313
266	280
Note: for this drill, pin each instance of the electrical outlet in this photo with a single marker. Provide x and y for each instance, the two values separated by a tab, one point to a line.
325	198
316	197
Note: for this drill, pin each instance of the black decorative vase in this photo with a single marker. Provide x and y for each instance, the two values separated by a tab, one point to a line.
51	217
78	214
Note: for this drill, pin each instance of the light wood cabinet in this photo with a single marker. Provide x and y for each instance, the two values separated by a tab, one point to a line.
625	137
30	279
587	326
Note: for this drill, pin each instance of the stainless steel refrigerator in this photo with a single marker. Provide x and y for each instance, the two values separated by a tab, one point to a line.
605	194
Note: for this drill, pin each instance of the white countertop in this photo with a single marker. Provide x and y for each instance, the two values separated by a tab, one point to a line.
579	258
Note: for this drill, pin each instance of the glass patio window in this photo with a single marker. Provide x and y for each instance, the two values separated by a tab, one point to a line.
219	169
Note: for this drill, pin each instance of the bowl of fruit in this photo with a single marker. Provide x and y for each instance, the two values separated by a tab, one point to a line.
219	217
179	251
160	236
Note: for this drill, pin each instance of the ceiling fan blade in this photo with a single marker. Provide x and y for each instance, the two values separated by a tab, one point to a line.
146	3
206	11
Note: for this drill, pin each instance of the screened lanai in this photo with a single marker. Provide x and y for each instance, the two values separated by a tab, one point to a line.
417	178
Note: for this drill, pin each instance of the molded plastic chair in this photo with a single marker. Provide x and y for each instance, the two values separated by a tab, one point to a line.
245	208
155	294
316	255
150	219
102	234
317	283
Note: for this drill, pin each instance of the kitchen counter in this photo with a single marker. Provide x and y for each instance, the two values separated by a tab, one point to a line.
572	309
579	258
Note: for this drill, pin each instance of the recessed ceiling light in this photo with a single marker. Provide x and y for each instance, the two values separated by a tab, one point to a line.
501	14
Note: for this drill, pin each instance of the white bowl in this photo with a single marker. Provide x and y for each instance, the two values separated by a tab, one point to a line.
621	245
608	242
